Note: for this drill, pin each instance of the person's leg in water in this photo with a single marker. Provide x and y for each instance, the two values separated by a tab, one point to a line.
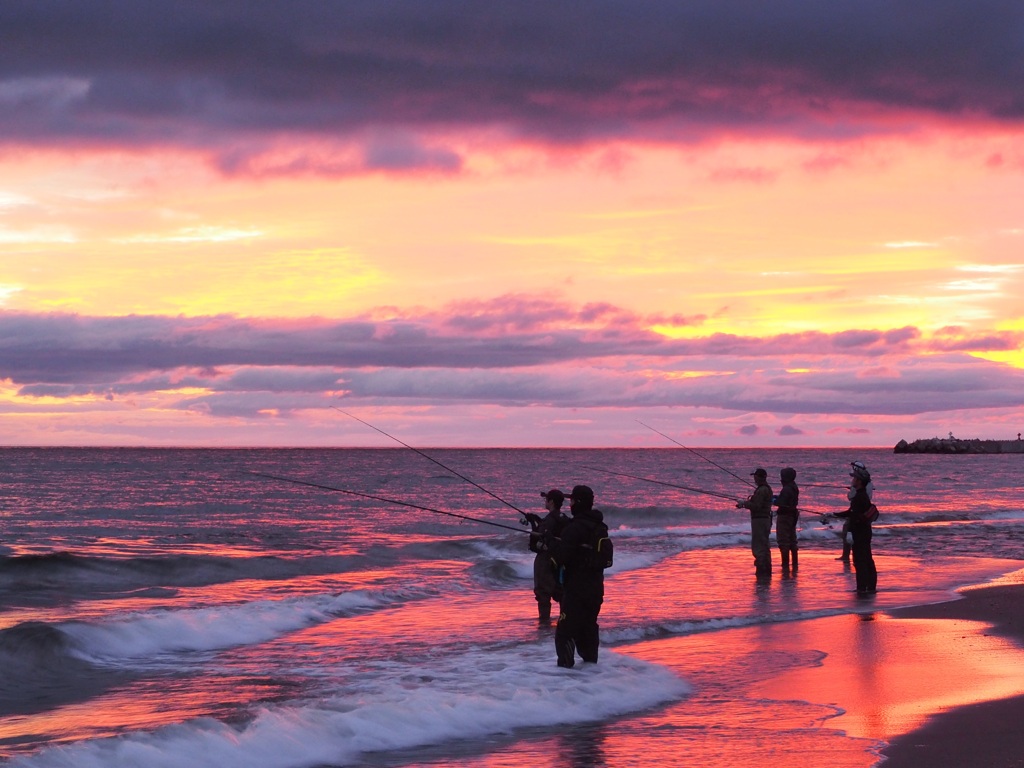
545	587
845	557
760	531
589	638
863	562
785	535
566	632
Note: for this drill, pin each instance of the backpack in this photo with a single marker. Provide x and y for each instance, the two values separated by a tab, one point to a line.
599	552
871	515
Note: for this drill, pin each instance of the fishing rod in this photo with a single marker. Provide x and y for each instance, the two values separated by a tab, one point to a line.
381	498
822	515
709	461
661	482
431	458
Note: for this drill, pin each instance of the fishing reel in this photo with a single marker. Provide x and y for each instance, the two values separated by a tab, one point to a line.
531	519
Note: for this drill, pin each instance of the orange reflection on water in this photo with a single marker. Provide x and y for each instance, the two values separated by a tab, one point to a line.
137	706
890	675
826	691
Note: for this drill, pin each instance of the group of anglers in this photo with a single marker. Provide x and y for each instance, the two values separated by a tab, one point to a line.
857	521
573	552
569	565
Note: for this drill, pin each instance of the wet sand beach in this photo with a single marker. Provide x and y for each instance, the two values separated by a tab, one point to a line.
937	685
986	733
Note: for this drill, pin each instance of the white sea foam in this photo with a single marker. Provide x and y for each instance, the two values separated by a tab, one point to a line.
634	634
731	527
473	695
142	635
624	561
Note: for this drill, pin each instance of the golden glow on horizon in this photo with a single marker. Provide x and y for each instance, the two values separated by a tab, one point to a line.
11	394
8	391
779	289
1014	357
667	230
752	238
645	214
205	234
687	374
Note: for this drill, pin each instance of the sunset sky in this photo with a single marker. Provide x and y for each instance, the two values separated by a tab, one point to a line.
511	224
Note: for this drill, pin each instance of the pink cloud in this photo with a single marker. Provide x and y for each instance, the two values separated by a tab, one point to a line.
879	372
512	351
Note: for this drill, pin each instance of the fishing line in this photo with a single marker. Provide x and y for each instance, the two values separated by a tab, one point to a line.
709	461
431	458
381	498
661	482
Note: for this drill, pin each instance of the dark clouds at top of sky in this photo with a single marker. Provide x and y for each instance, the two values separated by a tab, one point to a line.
124	71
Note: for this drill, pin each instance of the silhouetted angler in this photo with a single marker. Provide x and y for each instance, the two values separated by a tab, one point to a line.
546	531
760	505
788	514
582	581
860	529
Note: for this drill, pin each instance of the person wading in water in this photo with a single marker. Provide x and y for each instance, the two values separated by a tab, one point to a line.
858	516
546	531
582	580
788	514
760	505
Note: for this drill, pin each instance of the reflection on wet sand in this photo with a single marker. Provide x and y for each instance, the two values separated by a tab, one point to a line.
889	675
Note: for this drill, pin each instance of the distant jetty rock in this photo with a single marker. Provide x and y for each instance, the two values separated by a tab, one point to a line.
956	445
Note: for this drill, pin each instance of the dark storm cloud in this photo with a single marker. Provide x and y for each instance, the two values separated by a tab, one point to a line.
206	73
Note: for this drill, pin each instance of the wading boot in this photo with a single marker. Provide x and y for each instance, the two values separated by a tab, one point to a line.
846	552
544	613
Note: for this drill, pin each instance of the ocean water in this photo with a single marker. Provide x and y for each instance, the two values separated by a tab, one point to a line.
175	608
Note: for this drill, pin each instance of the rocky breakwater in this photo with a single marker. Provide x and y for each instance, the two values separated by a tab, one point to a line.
956	445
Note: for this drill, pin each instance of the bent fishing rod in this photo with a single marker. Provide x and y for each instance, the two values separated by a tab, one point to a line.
709	461
662	482
385	499
431	458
